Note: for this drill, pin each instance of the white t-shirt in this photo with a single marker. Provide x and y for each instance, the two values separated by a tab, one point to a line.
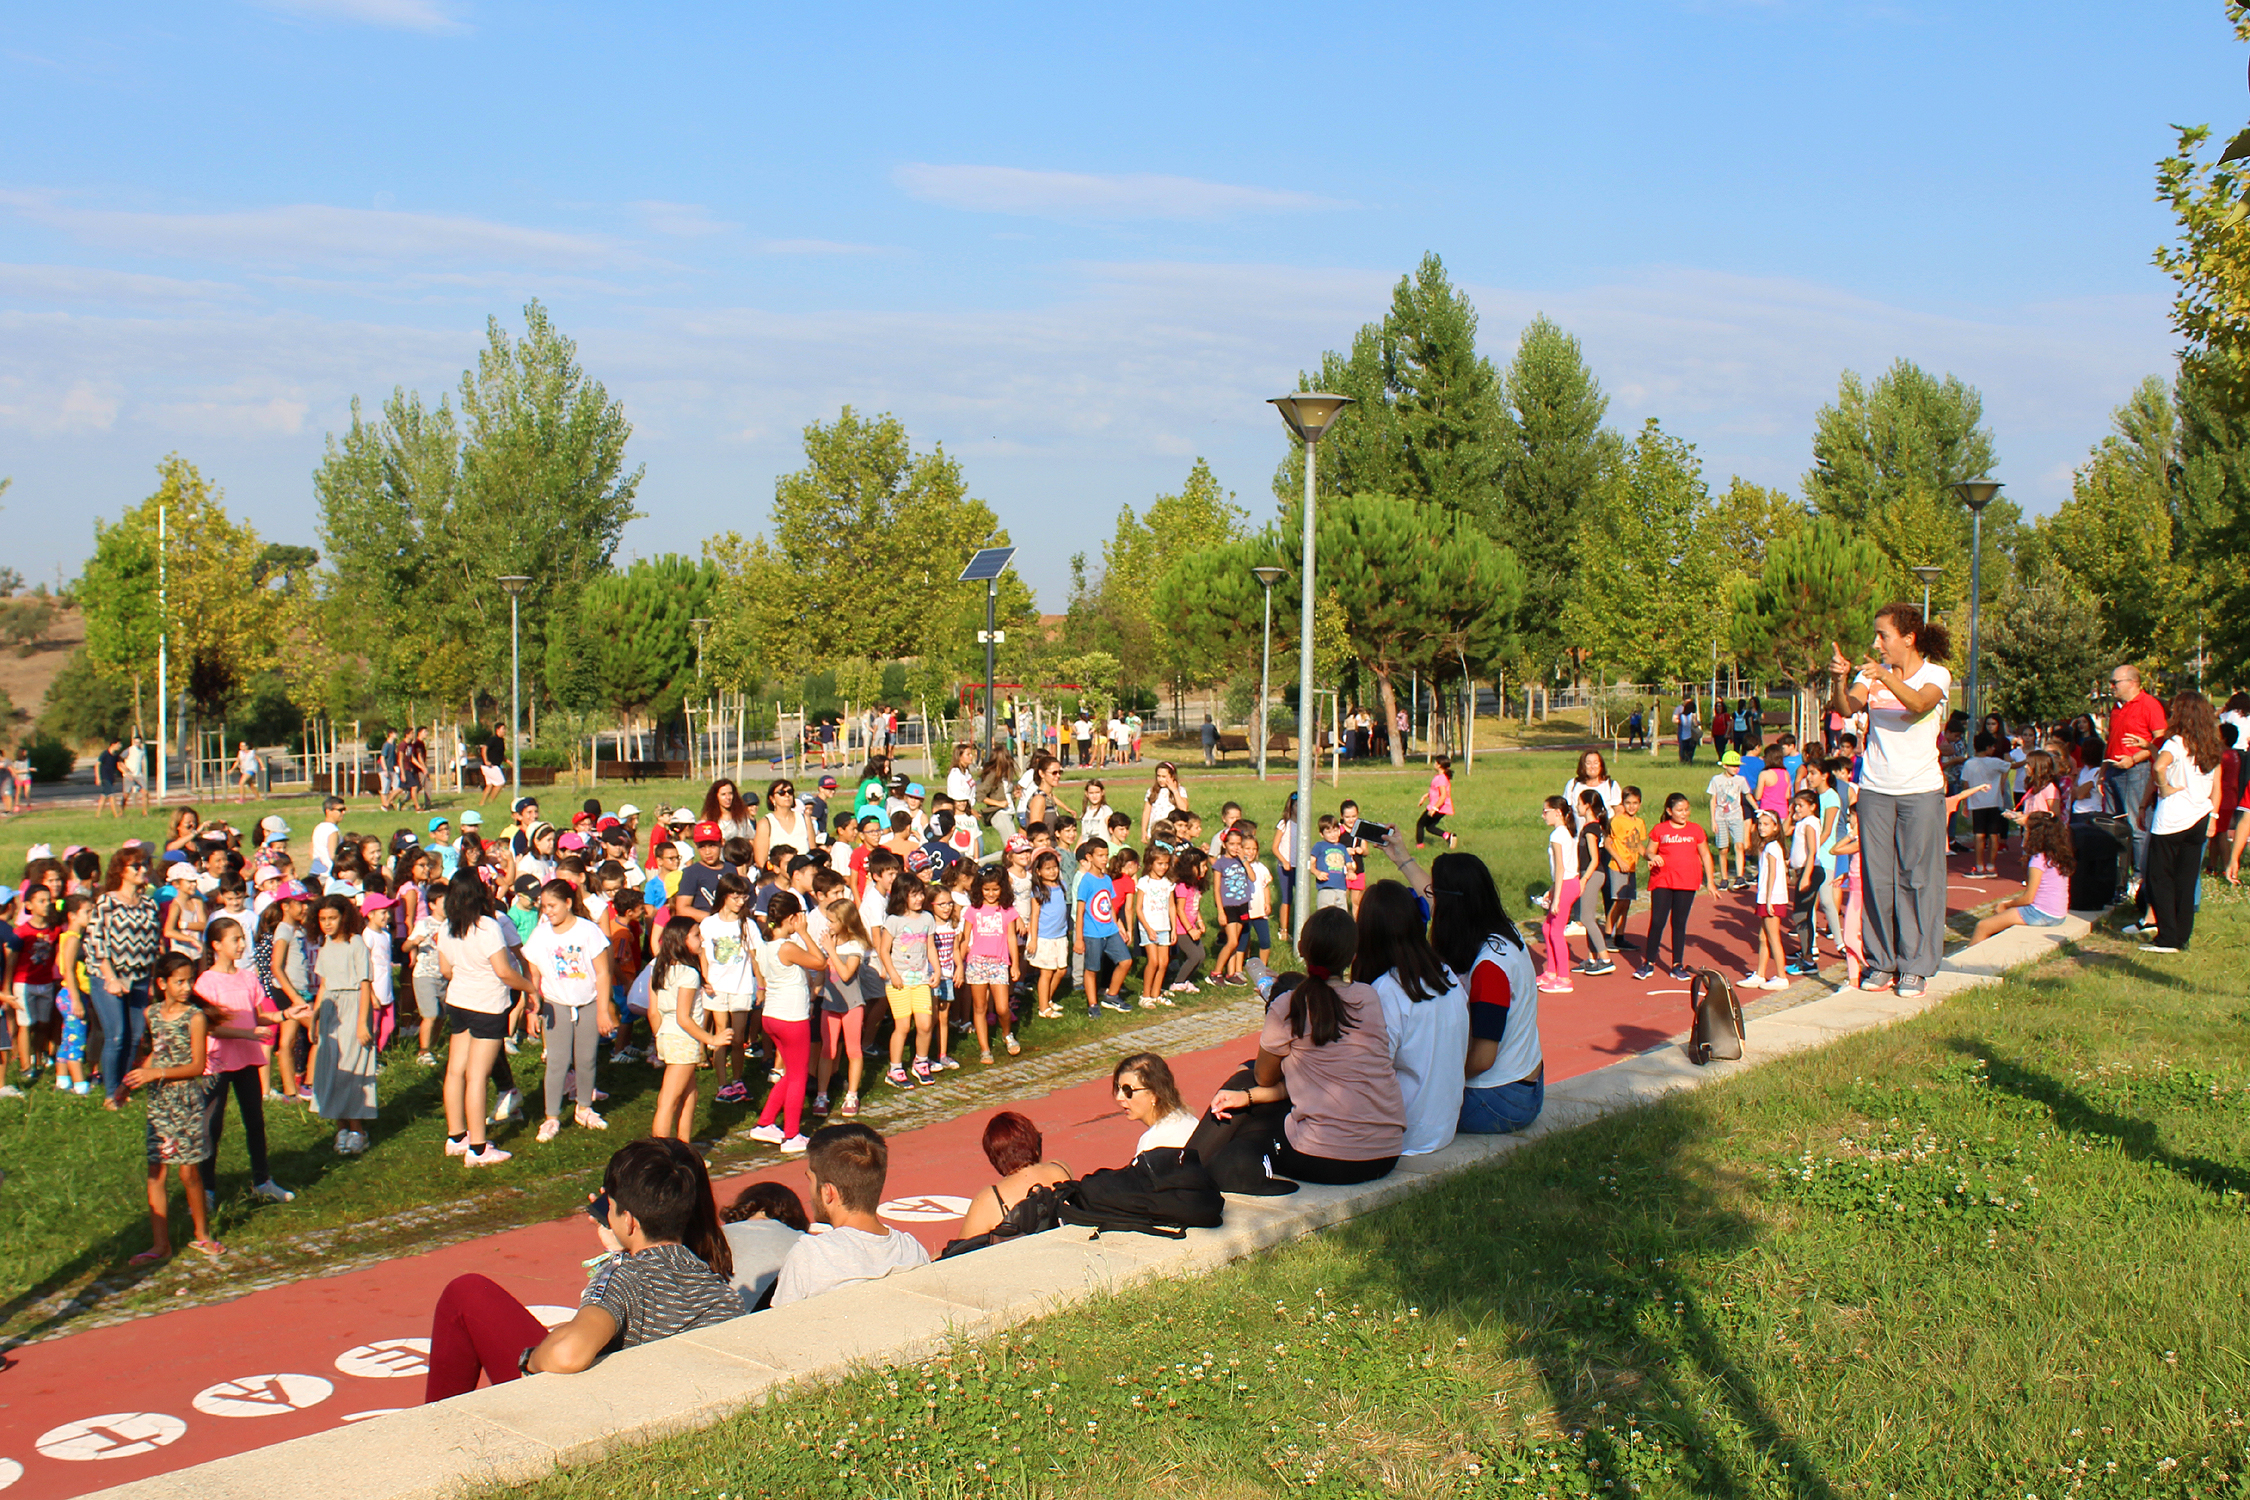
1428	1039
1156	907
474	986
844	1257
788	986
1261	889
2088	796
1608	791
961	786
1173	1130
1520	1054
664	999
324	846
1804	843
2183	798
1988	771
379	962
1902	753
1773	876
730	953
565	960
1564	843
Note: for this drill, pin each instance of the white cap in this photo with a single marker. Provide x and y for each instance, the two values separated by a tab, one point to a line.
627	811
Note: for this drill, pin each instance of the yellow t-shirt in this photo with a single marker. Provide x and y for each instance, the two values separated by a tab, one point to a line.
1628	836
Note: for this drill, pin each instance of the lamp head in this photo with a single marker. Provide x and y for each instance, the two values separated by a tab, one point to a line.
1928	573
1310	413
1977	493
514	583
1267	577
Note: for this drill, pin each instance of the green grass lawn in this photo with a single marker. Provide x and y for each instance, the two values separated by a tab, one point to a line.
1996	1251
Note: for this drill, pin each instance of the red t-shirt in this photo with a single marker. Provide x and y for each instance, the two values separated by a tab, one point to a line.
1681	845
2143	716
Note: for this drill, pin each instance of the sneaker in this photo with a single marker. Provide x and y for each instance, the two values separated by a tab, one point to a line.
490	1156
851	1106
343	1143
10	1091
1575	929
82	1088
1111	1002
426	1059
457	1147
899	1078
1645	971
510	1106
548	1130
1015	1048
1910	985
1801	969
62	1084
1681	972
776	1073
1874	981
921	1070
1622	941
770	1134
1778	982
2158	948
1753	979
820	1104
947	1063
273	1192
1604	967
508	1045
733	1093
795	1145
1184	987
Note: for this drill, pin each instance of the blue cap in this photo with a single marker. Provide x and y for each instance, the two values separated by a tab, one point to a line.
914	789
437	823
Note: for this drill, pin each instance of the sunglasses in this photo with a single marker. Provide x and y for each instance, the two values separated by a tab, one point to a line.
1128	1090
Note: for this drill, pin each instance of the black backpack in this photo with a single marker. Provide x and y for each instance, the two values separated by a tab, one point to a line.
1035	1212
1719	1029
1164	1191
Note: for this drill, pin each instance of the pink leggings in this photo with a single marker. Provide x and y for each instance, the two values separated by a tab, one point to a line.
1560	906
793	1040
478	1329
845	1029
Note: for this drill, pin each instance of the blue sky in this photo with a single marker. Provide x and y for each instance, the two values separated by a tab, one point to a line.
1078	249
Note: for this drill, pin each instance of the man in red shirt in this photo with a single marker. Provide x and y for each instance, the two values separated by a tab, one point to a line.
2136	729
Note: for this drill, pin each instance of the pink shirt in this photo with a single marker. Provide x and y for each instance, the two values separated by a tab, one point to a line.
1439	799
1344	1100
988	931
236	994
2053	898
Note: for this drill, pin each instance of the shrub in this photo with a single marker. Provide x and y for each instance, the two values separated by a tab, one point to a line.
51	759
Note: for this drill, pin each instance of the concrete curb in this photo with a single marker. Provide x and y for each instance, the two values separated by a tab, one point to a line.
512	1433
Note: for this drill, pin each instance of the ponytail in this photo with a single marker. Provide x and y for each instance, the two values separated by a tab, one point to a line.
1316	1010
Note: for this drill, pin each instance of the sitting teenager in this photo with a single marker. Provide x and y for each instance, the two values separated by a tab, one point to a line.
1016	1150
1143	1086
1425	1013
666	1273
763	1224
846	1165
1324	1054
1470	930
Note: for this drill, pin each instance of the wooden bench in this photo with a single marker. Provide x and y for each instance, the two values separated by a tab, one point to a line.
632	770
1232	744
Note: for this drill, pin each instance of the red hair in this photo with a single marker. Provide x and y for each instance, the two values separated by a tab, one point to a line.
1012	1142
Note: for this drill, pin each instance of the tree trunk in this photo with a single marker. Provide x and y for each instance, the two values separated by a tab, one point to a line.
1390	715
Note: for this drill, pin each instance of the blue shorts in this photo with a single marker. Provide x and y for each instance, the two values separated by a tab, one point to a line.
1109	946
2034	917
1285	886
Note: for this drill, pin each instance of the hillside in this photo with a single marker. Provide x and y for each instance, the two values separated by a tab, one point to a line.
24	678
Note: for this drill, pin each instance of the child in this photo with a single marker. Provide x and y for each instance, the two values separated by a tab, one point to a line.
1355	848
1772	905
36	978
1593	857
1331	865
993	960
1986	771
345	1062
788	963
1233	875
569	957
676	997
2051	860
1628	836
70	997
627	916
1191	876
427	978
945	938
1437	804
1148	912
172	1072
906	950
1230	813
730	984
1562	869
844	1004
375	909
1257	927
1727	789
1806	877
1095	937
1050	949
230	997
1679	865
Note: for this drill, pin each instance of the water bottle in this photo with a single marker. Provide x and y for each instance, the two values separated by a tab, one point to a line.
1260	977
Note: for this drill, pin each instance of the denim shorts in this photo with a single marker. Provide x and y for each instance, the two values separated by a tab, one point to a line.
1502	1110
2034	917
1109	947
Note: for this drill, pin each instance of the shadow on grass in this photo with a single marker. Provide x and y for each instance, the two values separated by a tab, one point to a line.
2074	1112
1575	1242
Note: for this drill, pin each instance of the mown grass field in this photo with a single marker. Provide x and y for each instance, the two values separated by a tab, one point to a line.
1993	1252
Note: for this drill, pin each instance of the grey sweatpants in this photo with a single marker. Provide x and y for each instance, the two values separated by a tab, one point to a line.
1592	892
572	1031
1902	862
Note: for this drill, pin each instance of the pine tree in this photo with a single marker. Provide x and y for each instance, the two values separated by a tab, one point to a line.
1819	589
1556	452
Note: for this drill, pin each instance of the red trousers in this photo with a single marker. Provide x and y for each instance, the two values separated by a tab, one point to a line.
477	1329
793	1041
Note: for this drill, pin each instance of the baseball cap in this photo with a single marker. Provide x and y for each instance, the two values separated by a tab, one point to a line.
524	802
1017	843
7	894
375	901
472	819
914	789
264	873
272	827
708	833
627	811
918	861
606	824
442	822
572	840
679	815
1731	758
828	783
290	890
39	851
526	885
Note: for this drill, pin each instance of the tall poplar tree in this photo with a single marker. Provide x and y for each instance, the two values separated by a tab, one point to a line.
1555	453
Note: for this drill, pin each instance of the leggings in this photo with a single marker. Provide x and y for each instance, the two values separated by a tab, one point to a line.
1552	925
2171	885
1590	915
793	1041
244	1083
1187	957
1288	1161
844	1029
1669	905
1851	938
1802	904
478	1329
572	1031
1428	824
124	1019
1830	898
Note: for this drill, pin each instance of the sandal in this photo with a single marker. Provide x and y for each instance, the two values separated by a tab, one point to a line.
211	1249
984	1057
150	1257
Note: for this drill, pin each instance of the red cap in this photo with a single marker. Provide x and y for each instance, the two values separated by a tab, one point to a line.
708	833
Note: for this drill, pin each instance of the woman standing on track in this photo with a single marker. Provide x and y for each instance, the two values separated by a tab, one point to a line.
1903	687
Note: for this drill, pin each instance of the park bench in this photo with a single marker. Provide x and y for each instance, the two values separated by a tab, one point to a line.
1233	744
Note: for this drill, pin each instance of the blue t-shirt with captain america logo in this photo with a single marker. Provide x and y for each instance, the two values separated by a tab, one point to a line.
1097	898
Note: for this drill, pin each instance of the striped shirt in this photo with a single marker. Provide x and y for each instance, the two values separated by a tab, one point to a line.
128	937
657	1292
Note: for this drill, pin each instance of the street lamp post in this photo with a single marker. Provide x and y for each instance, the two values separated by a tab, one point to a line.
1309	414
699	623
514	583
1267	578
985	568
1928	573
1976	494
163	662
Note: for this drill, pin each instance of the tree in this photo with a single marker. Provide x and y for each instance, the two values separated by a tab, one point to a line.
1555	454
2045	648
1820	588
629	646
1124	610
2114	534
1749	518
1646	601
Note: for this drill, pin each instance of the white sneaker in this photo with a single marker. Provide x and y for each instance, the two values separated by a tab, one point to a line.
770	1134
1753	980
1778	982
10	1091
510	1106
457	1147
548	1130
1575	929
795	1145
343	1143
588	1120
508	1045
273	1192
492	1157
359	1142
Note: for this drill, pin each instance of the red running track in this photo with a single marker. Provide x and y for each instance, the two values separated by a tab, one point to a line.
94	1409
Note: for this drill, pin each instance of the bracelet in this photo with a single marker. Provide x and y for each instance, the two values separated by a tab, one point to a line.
523	1360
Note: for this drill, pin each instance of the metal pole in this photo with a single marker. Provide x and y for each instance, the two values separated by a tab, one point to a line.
1926	593
1306	731
515	702
1976	597
1265	685
163	655
991	623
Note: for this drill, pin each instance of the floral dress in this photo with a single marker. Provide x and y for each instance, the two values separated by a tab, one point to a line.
175	1106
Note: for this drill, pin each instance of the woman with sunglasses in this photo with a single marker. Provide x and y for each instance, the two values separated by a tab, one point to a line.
1143	1087
785	822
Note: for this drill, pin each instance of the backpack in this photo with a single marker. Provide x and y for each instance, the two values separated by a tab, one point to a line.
1035	1212
1719	1030
1163	1191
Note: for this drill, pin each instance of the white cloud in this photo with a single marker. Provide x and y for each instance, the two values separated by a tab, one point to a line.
27	406
404	15
311	233
1085	195
91	284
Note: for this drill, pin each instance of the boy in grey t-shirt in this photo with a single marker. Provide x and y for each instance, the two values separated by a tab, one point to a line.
846	1166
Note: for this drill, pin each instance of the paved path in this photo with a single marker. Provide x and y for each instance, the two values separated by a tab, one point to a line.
98	1408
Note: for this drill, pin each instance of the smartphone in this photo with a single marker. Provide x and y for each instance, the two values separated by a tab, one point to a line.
597	1209
1373	833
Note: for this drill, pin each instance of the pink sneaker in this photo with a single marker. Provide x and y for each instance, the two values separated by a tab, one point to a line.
491	1156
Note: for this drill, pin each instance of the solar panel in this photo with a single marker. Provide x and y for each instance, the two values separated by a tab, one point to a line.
989	563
